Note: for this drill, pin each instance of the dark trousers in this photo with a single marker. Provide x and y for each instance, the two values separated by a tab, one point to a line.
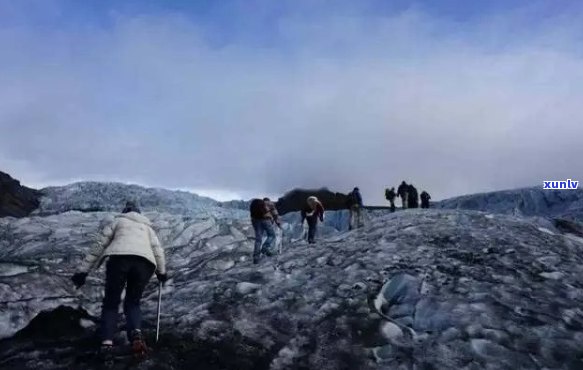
392	204
263	227
312	228
133	273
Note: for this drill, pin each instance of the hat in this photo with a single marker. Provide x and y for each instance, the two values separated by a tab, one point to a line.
131	207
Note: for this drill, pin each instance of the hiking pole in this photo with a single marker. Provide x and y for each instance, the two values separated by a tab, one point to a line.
159	305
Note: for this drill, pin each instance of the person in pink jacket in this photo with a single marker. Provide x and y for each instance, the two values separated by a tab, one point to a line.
133	254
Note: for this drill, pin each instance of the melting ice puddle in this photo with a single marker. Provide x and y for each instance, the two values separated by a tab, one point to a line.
10	269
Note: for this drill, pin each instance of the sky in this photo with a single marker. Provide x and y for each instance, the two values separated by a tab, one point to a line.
237	99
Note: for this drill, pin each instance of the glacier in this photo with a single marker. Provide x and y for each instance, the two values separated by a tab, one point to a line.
416	289
533	201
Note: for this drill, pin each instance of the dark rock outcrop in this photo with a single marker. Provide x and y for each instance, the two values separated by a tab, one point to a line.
16	200
295	200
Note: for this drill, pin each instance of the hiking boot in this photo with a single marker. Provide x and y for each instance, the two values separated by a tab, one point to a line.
268	252
139	348
105	354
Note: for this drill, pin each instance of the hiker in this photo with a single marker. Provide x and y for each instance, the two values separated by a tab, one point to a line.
133	255
413	197
262	221
390	195
403	191
272	211
354	204
425	199
312	213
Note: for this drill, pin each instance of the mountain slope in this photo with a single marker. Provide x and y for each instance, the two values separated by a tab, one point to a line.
464	290
526	202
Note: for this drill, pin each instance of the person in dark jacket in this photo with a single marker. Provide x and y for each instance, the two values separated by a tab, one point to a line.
390	195
355	207
133	254
262	221
425	199
403	192
312	213
413	197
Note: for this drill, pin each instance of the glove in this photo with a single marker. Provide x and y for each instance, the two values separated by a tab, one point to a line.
79	279
162	277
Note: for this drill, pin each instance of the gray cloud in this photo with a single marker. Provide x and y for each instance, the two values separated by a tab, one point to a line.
341	101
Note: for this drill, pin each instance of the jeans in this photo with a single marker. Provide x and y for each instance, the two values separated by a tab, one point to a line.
312	227
355	217
122	270
261	227
405	200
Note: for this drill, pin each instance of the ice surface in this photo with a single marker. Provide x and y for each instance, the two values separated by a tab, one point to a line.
450	288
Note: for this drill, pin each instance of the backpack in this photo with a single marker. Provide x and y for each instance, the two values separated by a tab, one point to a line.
257	208
387	194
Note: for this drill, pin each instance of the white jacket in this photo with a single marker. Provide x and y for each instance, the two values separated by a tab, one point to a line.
128	234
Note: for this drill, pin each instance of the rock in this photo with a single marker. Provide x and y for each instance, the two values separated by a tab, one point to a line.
556	275
489	350
246	288
16	200
391	331
295	200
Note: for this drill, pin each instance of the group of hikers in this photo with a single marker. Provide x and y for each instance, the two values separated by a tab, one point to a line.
409	196
264	215
134	254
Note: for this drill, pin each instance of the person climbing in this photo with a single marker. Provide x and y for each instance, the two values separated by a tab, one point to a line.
133	254
425	199
272	211
390	195
354	204
312	213
275	217
413	197
262	221
403	191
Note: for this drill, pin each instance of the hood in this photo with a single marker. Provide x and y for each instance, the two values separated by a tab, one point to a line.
136	217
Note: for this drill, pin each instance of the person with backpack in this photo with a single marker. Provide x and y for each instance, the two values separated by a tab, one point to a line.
262	221
312	213
133	254
413	197
425	199
403	192
354	204
390	195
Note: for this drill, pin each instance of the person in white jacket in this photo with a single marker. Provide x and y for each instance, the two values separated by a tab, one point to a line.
133	254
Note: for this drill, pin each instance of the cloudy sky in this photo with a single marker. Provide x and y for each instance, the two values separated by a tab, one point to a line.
245	98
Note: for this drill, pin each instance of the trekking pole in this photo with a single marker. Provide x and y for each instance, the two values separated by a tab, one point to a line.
159	305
